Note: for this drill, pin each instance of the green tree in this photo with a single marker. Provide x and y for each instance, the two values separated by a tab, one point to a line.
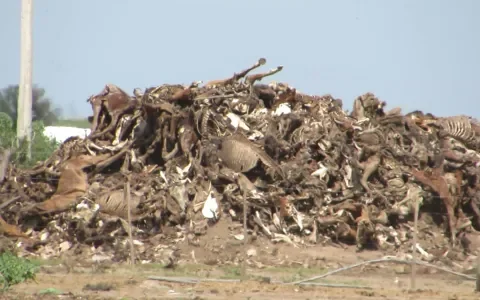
42	146
42	107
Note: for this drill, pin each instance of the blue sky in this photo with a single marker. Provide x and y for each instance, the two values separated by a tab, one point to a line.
413	54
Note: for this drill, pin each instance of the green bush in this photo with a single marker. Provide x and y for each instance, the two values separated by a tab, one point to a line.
15	270
7	134
41	146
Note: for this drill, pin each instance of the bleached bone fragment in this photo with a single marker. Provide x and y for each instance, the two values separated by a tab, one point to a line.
210	208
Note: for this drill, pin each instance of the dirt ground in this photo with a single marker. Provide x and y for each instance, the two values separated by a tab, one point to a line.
216	257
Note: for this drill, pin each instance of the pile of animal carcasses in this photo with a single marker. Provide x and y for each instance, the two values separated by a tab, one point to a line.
184	157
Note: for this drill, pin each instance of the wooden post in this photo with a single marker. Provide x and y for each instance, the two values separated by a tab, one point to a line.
4	160
245	235
127	198
477	289
414	250
24	103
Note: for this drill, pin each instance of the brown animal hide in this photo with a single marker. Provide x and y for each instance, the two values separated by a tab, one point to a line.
115	204
72	184
10	230
437	182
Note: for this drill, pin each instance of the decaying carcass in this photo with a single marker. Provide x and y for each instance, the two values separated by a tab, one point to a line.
195	153
113	102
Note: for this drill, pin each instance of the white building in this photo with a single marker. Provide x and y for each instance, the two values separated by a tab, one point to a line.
61	133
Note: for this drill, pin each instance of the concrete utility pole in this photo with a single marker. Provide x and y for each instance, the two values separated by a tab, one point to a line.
24	117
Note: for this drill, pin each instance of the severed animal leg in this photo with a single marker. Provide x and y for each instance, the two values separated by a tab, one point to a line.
166	156
133	156
169	155
297	217
115	116
119	130
462	221
413	194
313	238
358	111
348	176
103	164
117	147
109	128
365	229
96	107
236	76
151	148
277	237
369	167
107	148
89	150
440	186
475	207
345	232
136	164
11	230
451	222
101	122
95	120
256	77
94	146
126	164
137	125
258	221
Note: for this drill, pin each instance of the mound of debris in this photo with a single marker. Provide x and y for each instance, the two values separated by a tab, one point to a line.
309	171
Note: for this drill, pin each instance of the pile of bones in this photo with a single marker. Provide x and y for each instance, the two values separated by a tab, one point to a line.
184	157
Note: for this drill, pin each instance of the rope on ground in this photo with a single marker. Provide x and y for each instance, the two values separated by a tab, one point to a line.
385	259
336	285
188	280
306	281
